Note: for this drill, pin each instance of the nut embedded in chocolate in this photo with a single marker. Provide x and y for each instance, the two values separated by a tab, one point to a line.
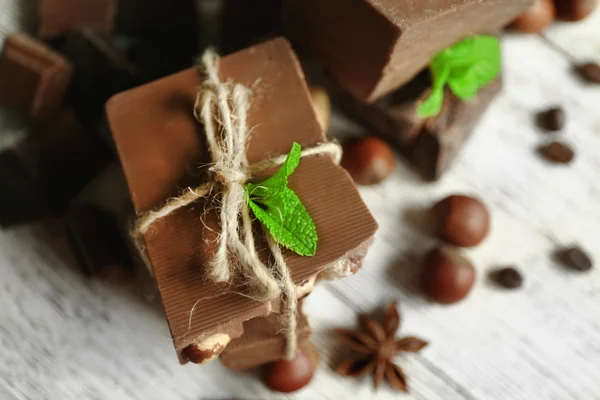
557	152
574	258
207	350
322	104
508	278
552	119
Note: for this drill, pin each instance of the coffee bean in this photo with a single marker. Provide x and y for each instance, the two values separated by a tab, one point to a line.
574	10
574	258
538	17
508	278
368	160
589	72
447	276
552	119
462	220
557	152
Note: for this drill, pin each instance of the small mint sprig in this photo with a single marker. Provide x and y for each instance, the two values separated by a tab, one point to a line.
466	68
280	210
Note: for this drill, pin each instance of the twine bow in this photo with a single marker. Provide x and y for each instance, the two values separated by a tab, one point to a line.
226	106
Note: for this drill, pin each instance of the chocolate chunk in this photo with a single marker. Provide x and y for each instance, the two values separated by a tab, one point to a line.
21	200
557	152
372	47
101	70
589	72
58	17
552	119
508	278
574	258
33	78
263	341
247	21
97	242
430	145
62	158
161	146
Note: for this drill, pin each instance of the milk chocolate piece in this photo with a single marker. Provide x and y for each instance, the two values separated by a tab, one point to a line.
263	341
373	47
162	147
101	70
33	78
62	158
57	17
432	144
96	240
248	21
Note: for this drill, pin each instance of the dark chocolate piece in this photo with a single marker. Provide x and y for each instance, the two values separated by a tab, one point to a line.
373	47
97	241
552	119
33	78
62	158
557	152
508	278
574	258
101	70
248	21
57	17
161	146
263	341
432	144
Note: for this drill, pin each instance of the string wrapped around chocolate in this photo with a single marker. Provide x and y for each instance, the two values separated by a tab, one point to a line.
222	108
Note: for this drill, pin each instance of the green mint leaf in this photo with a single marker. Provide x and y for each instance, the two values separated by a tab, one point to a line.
466	67
287	221
278	181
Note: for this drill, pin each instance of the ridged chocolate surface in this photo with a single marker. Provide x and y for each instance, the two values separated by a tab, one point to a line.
161	147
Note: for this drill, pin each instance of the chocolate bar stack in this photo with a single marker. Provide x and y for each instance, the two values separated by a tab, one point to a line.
111	89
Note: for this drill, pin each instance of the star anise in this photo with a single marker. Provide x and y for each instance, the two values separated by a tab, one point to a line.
378	347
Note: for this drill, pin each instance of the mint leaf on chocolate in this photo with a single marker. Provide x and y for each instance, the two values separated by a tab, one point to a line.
465	67
281	211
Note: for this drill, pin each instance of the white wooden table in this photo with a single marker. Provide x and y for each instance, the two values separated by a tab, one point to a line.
65	337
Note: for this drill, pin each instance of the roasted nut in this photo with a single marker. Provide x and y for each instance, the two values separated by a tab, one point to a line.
322	105
462	220
538	17
369	160
206	351
290	375
447	276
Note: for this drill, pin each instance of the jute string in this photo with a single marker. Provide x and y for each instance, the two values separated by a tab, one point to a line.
223	108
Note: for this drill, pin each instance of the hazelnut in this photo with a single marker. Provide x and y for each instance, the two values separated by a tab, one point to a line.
462	220
207	350
574	10
290	375
368	160
322	106
537	17
447	276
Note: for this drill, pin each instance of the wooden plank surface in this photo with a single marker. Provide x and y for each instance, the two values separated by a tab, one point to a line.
65	337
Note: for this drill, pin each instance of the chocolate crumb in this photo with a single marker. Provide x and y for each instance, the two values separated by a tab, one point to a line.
557	152
508	278
589	72
552	119
574	258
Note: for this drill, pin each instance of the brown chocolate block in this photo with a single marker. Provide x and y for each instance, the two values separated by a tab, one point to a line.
247	21
161	147
262	342
97	241
33	78
57	17
432	144
62	158
373	47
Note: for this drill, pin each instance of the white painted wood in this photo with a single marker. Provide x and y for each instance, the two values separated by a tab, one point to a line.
65	337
